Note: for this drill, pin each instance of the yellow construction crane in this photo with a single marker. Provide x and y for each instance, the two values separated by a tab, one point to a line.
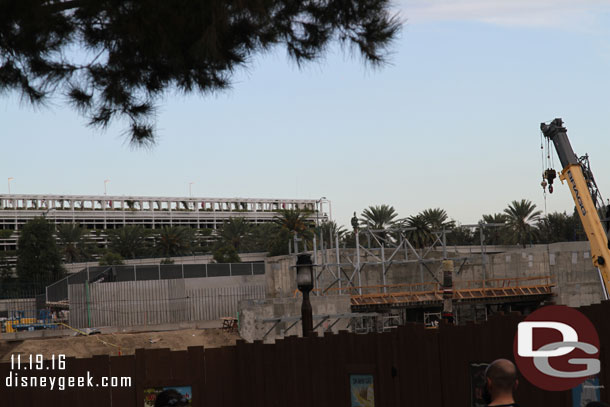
577	172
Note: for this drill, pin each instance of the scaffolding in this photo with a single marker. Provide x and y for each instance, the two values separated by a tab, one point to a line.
392	247
339	271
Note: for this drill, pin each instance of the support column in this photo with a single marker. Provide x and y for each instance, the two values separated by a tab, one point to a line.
447	314
358	262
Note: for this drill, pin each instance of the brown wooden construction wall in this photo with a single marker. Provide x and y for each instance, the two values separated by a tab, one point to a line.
412	367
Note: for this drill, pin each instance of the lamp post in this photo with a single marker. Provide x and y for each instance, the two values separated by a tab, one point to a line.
106	181
305	285
318	209
190	190
9	184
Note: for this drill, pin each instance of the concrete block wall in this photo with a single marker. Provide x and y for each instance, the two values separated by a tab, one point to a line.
577	279
280	276
568	263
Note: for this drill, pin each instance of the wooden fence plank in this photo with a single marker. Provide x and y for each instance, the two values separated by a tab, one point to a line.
412	365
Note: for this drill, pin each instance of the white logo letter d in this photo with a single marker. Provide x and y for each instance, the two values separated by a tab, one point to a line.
525	341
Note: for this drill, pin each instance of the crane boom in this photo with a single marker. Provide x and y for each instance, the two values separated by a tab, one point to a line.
581	185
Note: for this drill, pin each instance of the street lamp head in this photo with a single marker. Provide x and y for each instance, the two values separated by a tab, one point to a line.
304	272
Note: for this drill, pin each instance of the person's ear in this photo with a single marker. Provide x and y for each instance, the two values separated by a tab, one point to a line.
488	383
516	384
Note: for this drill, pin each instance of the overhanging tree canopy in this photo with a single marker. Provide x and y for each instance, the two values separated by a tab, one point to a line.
138	50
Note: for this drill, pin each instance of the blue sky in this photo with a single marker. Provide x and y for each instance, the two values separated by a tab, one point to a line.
453	122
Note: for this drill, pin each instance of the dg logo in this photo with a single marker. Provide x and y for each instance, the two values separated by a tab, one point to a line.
556	348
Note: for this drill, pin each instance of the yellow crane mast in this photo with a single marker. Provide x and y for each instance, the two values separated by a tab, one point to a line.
577	173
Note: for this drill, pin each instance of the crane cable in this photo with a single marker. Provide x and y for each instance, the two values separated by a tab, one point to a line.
544	165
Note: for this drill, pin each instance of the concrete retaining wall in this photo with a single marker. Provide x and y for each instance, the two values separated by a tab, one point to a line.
253	312
569	264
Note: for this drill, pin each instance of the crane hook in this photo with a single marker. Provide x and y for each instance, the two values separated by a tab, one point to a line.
549	175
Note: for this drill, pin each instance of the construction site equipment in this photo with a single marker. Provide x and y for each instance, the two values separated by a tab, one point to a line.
585	193
15	320
18	322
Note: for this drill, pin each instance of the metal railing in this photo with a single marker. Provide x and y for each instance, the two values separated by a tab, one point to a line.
435	287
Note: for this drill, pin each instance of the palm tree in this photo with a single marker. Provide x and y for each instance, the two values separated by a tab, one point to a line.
262	237
296	222
378	217
521	218
175	241
495	235
72	242
495	218
234	232
437	219
128	241
422	235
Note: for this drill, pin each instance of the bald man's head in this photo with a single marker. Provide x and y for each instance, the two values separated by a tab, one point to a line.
503	375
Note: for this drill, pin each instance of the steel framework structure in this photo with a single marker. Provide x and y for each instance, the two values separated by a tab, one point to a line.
340	272
393	247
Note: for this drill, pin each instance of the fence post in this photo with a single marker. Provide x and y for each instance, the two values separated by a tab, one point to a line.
88	302
183	271
230	270
88	276
135	278
159	271
251	268
206	269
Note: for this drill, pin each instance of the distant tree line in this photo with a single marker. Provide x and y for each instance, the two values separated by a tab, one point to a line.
43	247
521	223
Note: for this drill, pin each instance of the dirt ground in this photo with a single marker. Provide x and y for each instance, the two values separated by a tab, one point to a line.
86	346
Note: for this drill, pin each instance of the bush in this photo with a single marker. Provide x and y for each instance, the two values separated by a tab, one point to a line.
226	254
111	259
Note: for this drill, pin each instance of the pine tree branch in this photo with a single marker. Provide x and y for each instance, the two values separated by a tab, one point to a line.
63	6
